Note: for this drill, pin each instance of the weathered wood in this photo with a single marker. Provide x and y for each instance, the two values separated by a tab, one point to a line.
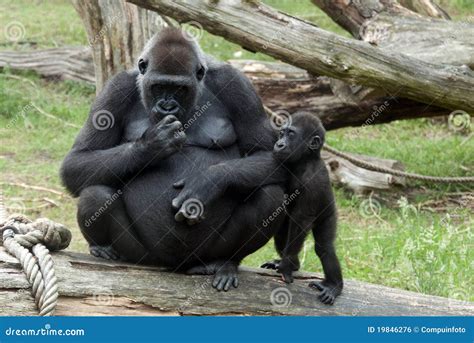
97	287
361	180
387	24
117	32
258	27
281	87
66	63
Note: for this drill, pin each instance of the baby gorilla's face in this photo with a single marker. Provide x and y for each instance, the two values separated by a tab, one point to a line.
302	137
290	146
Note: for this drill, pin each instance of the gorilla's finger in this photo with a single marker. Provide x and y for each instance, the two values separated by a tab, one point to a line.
174	126
236	282
179	216
316	285
178	201
167	120
228	283
193	221
179	184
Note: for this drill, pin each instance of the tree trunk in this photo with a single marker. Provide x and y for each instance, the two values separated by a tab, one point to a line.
91	286
117	32
387	24
260	28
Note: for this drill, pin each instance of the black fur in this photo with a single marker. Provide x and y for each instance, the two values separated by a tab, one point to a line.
310	204
186	120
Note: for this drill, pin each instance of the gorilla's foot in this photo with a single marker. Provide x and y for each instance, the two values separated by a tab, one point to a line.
329	292
104	251
226	277
275	264
206	269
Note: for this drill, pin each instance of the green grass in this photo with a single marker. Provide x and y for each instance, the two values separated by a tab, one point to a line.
403	245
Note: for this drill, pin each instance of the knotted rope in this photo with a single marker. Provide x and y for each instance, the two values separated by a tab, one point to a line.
30	242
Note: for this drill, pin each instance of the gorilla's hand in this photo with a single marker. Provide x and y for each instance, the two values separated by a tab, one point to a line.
164	138
196	194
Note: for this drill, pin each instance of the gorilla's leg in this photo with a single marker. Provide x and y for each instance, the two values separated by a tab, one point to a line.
105	225
281	239
250	227
324	233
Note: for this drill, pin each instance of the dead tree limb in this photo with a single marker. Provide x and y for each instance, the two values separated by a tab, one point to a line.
258	27
91	286
387	24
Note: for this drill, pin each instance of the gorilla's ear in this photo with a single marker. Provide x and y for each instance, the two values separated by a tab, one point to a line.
315	143
142	65
201	72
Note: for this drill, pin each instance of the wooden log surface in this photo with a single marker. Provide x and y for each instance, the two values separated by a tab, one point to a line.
258	27
91	286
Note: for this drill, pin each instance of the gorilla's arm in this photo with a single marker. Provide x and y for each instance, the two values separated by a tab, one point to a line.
257	167
255	137
98	156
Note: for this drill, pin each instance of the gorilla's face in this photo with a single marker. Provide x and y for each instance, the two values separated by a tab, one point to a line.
171	74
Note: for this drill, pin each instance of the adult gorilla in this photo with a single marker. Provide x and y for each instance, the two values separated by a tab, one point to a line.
133	154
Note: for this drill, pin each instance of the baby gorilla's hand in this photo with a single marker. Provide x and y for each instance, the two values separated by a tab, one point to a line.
164	138
197	193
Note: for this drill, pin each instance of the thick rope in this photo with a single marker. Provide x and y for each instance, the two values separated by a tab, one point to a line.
370	166
30	242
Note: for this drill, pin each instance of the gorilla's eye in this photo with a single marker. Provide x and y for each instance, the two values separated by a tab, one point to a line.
200	73
142	66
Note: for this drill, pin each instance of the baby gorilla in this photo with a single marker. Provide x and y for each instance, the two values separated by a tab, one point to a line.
310	204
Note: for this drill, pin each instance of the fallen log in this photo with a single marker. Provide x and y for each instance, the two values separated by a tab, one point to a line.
281	87
91	286
388	24
398	26
258	27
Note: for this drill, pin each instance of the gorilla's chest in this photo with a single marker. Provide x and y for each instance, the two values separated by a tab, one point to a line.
209	126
